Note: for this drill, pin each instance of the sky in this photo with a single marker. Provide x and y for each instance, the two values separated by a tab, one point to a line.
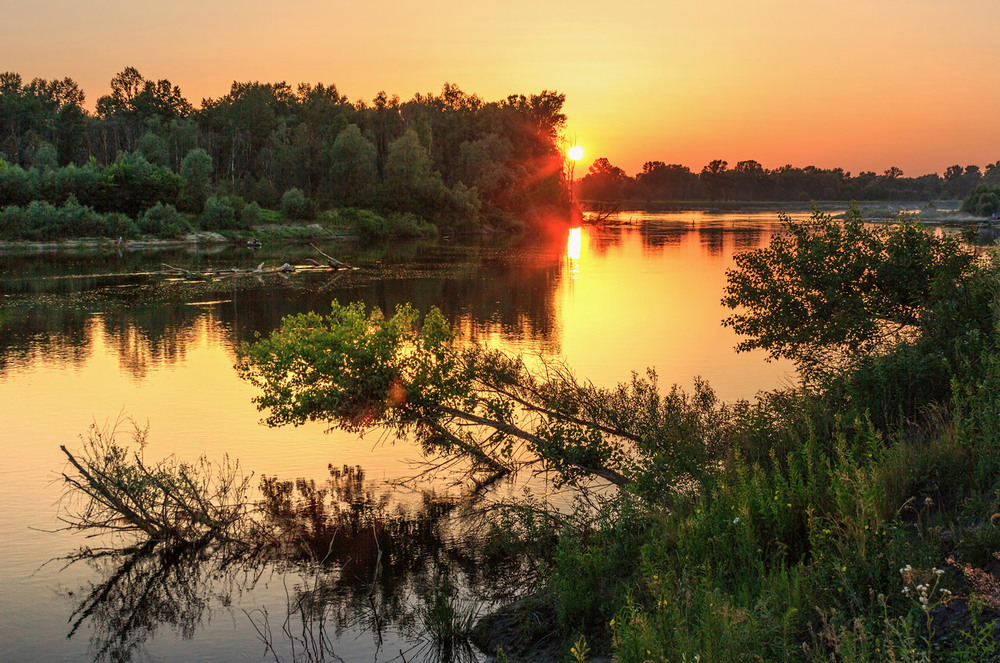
857	84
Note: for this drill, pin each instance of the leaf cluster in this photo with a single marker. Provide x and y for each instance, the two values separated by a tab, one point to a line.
464	402
826	292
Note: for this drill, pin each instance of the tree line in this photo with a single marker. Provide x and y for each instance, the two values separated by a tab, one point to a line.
750	181
449	158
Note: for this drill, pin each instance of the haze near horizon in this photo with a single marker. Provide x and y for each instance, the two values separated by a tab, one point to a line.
858	85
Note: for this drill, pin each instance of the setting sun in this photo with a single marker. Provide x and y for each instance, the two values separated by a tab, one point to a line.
575	153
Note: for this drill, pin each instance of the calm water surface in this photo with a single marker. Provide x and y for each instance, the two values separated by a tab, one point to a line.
88	337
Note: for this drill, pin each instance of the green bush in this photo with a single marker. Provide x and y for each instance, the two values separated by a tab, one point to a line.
132	185
17	186
43	221
219	214
295	205
120	225
410	226
163	221
250	215
984	200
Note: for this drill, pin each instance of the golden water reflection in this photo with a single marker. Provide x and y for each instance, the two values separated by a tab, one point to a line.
573	246
649	295
608	301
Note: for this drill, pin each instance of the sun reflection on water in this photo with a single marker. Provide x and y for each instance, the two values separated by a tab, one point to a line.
573	246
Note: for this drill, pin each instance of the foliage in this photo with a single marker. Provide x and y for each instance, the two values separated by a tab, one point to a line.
133	185
749	181
765	530
250	215
163	221
45	156
41	221
196	171
451	159
354	167
165	501
295	205
220	214
826	293
154	149
370	226
984	200
357	370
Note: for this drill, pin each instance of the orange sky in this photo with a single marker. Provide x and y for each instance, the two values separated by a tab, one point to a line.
862	84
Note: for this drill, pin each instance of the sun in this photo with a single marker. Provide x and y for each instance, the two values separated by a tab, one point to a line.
575	153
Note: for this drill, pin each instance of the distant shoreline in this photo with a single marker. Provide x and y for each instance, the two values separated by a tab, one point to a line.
314	232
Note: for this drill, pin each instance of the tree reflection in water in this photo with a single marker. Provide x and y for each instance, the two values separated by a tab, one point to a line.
152	585
351	557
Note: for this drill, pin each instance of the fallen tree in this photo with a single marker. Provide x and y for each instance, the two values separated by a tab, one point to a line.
357	370
329	264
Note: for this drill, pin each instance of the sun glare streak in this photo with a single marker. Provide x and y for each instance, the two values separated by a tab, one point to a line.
574	243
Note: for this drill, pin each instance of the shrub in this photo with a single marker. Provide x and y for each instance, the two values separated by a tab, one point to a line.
132	185
218	215
984	200
120	225
368	225
250	215
162	220
42	220
410	226
295	205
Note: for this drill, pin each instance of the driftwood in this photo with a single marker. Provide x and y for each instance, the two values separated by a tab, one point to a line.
601	212
306	265
232	271
332	262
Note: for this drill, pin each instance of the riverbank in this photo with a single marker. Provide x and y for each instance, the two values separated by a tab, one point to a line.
284	231
265	233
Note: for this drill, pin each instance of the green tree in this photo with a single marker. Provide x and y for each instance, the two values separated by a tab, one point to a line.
353	167
827	293
984	200
356	370
411	183
295	205
219	214
484	163
154	149
408	166
196	171
45	156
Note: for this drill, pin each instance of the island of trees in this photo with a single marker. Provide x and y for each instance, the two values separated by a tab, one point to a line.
149	162
749	181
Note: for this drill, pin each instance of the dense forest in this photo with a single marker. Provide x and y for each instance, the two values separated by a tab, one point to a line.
148	161
750	181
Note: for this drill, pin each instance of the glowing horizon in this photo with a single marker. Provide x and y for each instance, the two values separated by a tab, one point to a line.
856	85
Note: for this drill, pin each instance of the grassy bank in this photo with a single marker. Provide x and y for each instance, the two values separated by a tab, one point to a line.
856	518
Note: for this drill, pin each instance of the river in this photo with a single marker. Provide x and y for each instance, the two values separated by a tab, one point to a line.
92	336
